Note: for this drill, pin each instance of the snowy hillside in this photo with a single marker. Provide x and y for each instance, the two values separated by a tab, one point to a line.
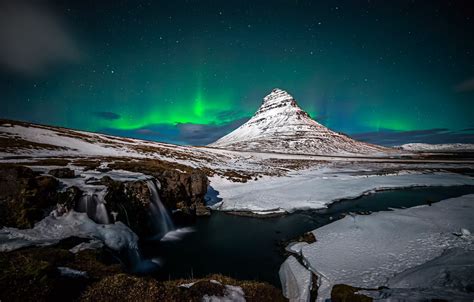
437	147
280	125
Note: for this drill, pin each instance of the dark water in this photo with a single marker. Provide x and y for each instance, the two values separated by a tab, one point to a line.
248	248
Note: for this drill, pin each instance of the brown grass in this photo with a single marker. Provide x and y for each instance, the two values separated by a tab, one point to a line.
122	287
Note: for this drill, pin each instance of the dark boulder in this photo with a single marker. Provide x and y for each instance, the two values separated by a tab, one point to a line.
27	197
62	173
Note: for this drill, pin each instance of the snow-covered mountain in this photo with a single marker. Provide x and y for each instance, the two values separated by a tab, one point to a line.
437	147
280	125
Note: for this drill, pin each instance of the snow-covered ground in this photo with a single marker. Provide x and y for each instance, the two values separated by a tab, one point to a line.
398	249
286	182
449	277
437	147
317	188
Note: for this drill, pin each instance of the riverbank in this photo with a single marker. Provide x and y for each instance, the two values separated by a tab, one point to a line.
373	251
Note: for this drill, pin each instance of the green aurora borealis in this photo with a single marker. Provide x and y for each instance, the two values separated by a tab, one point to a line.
190	71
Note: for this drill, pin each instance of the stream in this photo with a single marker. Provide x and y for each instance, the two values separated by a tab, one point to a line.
252	248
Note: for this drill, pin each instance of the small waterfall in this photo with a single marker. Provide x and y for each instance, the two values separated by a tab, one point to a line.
94	205
101	214
160	219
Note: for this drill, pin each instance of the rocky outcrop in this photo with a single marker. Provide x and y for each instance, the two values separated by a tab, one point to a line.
129	202
181	187
62	173
182	191
27	197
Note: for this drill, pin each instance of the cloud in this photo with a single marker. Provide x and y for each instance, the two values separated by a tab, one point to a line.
183	134
32	38
198	134
432	136
106	115
467	85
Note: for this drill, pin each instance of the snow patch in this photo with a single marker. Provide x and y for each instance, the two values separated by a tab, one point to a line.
317	188
366	251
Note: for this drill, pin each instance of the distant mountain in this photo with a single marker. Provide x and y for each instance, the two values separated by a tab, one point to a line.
280	125
436	147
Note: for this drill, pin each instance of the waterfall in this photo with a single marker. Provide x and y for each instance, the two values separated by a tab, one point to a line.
93	204
160	219
101	213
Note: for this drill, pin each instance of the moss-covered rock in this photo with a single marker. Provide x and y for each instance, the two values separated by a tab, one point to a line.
307	237
346	293
122	287
31	275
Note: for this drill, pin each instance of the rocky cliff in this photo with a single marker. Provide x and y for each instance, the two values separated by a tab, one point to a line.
26	196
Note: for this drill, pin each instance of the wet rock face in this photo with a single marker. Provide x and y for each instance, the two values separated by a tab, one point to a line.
131	203
182	187
131	199
182	191
27	197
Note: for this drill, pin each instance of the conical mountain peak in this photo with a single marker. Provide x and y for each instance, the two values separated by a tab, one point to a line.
277	95
280	125
279	102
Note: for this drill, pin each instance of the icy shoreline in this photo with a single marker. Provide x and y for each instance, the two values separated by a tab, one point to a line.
316	189
385	248
52	229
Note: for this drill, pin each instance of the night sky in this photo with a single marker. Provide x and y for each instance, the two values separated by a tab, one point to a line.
189	72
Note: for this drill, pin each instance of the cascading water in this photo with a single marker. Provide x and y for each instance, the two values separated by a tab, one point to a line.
160	219
93	203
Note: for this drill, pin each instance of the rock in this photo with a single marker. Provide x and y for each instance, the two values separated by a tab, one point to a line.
346	293
62	173
181	188
202	210
25	197
70	197
131	203
34	274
